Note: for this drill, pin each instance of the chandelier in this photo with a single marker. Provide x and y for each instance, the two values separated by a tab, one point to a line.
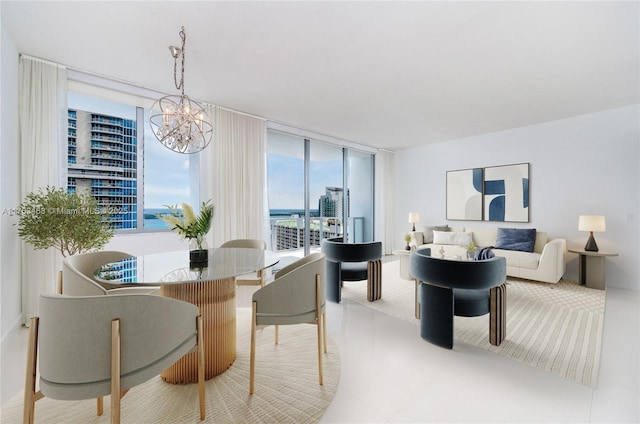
179	123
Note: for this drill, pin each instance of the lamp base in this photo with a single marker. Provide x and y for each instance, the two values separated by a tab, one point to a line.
591	245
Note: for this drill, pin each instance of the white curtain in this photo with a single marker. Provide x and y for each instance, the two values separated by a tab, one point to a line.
42	116
385	200
232	171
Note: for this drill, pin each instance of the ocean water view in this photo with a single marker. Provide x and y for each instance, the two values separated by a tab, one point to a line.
151	220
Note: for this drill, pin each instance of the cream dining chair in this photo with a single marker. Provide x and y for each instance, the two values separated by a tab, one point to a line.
87	347
296	296
253	279
78	278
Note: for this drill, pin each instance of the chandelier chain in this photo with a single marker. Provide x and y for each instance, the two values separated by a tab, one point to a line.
180	86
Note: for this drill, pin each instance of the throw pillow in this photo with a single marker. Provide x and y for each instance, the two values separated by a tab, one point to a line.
417	238
522	239
483	253
428	232
452	237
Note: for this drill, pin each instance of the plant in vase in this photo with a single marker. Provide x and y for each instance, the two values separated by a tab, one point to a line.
470	248
407	238
189	226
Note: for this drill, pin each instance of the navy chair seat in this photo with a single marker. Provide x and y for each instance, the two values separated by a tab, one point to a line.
470	303
354	271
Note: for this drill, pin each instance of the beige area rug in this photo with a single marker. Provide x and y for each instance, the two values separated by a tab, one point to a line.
554	327
286	390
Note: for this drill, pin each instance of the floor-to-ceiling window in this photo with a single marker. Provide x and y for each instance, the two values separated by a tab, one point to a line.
306	182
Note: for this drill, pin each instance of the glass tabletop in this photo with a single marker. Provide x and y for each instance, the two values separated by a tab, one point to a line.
176	268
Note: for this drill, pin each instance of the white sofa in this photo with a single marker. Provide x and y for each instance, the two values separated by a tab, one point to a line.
547	262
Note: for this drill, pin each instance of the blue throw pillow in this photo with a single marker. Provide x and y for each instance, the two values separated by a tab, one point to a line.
522	239
483	254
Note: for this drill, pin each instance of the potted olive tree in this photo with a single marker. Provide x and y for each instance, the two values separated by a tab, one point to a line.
69	222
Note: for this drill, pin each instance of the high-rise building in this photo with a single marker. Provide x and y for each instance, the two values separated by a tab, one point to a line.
330	203
102	159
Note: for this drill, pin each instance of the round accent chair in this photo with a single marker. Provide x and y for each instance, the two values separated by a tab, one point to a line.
463	288
353	262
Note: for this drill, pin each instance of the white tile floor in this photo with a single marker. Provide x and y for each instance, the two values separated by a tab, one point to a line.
390	375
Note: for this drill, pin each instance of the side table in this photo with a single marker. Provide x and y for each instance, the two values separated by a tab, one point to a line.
591	268
405	273
404	263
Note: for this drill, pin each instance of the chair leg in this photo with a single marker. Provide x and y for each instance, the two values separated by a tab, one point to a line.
319	314
201	366
276	334
252	356
30	380
374	280
498	314
99	406
436	315
115	371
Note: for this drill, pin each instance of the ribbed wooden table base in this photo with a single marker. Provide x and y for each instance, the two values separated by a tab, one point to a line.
217	302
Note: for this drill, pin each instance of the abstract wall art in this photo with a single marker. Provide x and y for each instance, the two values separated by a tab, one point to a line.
506	193
464	194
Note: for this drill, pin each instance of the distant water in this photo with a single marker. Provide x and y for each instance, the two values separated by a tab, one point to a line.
151	221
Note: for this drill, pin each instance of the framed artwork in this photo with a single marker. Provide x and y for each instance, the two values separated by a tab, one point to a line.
506	193
464	194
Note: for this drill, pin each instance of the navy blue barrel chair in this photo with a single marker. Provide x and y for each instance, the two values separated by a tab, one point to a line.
462	288
352	262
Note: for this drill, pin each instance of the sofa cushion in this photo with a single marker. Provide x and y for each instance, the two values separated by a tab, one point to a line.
427	233
519	259
452	237
483	237
522	239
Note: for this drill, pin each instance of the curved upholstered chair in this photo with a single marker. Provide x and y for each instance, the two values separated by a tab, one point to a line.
78	278
353	262
256	279
462	288
92	346
296	296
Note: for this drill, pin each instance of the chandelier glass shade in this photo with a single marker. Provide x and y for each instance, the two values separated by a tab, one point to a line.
179	123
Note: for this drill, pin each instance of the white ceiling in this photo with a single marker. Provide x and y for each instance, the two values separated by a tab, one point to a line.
384	74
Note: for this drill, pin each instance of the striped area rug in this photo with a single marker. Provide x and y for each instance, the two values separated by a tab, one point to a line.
554	327
286	388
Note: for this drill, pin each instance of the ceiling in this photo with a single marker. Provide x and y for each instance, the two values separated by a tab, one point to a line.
384	74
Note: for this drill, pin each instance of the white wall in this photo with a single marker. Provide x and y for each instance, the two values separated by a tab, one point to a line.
10	290
586	165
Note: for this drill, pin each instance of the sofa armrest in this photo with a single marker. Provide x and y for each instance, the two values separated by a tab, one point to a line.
553	262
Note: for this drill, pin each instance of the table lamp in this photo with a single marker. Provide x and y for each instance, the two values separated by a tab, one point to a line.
413	218
591	223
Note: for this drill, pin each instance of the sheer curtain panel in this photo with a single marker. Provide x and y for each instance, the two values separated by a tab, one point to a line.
233	173
42	116
384	200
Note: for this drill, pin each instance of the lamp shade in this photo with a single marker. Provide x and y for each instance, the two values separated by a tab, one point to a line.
591	223
414	217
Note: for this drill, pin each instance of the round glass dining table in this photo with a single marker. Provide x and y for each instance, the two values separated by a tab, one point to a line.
210	285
